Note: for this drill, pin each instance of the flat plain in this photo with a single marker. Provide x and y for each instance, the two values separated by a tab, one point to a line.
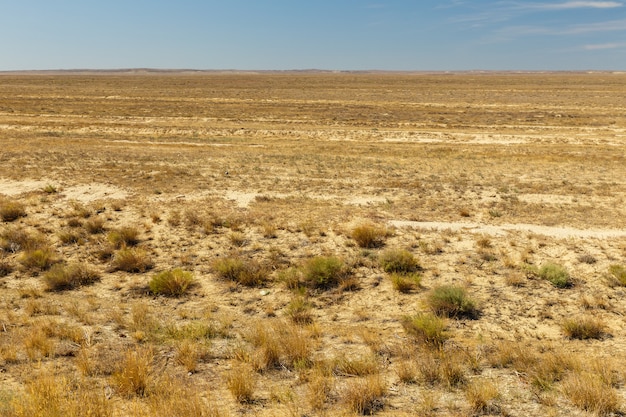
303	244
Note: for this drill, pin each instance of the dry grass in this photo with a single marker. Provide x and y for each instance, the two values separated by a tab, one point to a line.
11	211
68	277
319	214
173	283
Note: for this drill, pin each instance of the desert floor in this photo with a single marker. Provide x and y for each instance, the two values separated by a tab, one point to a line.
284	195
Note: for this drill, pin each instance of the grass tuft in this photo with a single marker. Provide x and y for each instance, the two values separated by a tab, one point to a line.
556	274
406	283
588	392
11	211
173	283
247	272
38	259
365	396
617	275
324	272
452	301
584	328
426	328
131	260
399	261
67	277
124	236
369	235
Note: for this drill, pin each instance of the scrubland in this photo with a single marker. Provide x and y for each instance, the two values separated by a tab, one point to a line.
291	244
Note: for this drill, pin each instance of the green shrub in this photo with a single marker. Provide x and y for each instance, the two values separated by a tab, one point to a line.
131	260
583	328
67	277
452	301
323	272
426	328
369	235
11	210
556	274
406	283
173	283
246	272
399	261
617	275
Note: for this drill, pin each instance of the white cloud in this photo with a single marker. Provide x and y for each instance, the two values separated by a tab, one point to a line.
603	46
575	5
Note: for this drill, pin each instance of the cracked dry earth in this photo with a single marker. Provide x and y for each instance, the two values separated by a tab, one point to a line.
484	180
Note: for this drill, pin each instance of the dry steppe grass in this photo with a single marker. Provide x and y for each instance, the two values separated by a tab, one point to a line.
221	244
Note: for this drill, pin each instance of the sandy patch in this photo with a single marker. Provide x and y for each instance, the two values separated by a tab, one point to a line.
558	232
11	187
546	198
91	192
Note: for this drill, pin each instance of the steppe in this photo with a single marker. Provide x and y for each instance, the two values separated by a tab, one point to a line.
302	226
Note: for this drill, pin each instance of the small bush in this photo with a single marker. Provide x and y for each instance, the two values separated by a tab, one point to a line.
398	261
365	396
50	189
38	259
11	210
617	275
426	328
241	382
245	272
299	310
134	374
406	283
369	235
67	277
95	225
5	267
131	260
363	366
17	239
324	272
556	274
588	392
124	236
172	283
583	328
482	397
452	301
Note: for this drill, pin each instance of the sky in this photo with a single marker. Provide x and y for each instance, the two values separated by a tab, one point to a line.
402	35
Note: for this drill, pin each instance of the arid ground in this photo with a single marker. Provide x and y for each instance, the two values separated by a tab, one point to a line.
312	244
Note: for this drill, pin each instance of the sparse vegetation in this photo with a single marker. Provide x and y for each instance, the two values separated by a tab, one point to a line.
253	186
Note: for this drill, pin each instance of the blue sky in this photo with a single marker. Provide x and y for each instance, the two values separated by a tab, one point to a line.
323	34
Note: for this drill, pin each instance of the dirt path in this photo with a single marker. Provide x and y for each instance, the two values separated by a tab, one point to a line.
558	232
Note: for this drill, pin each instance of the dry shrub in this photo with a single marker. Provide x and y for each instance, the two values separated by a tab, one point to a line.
398	261
38	344
173	283
442	367
365	396
247	272
299	310
406	283
67	277
38	259
131	260
427	329
363	366
319	388
482	397
95	225
407	372
175	396
241	383
11	211
617	275
188	353
70	237
134	374
16	239
583	328
452	301
124	236
6	267
588	392
369	235
280	344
